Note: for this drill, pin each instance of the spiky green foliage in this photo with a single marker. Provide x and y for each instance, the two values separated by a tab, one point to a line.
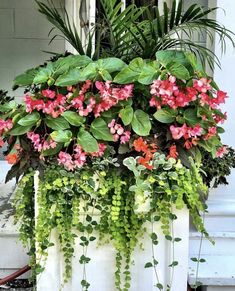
141	32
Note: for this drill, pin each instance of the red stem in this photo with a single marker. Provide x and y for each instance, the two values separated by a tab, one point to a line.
15	275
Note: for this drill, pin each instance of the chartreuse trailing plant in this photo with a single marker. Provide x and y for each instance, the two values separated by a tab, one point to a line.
124	140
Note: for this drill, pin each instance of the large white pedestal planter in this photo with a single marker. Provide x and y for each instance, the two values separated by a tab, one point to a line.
100	270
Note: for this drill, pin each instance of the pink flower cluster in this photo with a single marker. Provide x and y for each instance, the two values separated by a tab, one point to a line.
166	92
5	125
190	134
38	144
78	158
213	103
118	132
221	151
185	131
53	107
110	96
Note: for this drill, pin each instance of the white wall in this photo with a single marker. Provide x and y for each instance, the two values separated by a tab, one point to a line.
23	38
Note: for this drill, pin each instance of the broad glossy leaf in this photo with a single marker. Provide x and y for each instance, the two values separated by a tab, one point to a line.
74	118
178	70
20	130
148	74
58	123
29	119
87	141
141	123
26	78
100	130
126	76
61	136
43	74
165	115
190	115
126	115
70	78
111	64
8	106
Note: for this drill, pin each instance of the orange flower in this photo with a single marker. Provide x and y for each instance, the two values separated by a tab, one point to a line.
140	145
12	158
145	162
173	152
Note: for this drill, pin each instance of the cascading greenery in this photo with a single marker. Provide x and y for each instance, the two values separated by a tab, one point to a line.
67	202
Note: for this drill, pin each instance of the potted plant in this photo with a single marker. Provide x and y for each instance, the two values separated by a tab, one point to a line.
122	134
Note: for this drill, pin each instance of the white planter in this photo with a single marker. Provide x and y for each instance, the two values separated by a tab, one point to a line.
101	268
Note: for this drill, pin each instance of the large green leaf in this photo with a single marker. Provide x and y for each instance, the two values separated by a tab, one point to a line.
126	115
178	70
26	78
111	64
69	78
87	141
43	74
8	106
190	115
165	115
19	130
100	130
74	118
58	123
131	73
141	123
29	119
61	136
149	73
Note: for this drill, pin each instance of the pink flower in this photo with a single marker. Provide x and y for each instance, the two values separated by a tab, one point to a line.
66	160
212	131
125	137
48	93
5	125
178	132
221	151
221	96
202	85
195	131
100	153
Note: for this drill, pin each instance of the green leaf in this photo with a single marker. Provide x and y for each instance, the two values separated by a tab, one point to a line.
148	265
100	130
43	74
126	115
149	73
87	141
105	75
63	136
89	72
58	123
74	118
190	115
8	106
178	70
111	64
26	78
19	130
126	76
194	259
165	115
30	119
167	56
141	123
69	78
173	264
